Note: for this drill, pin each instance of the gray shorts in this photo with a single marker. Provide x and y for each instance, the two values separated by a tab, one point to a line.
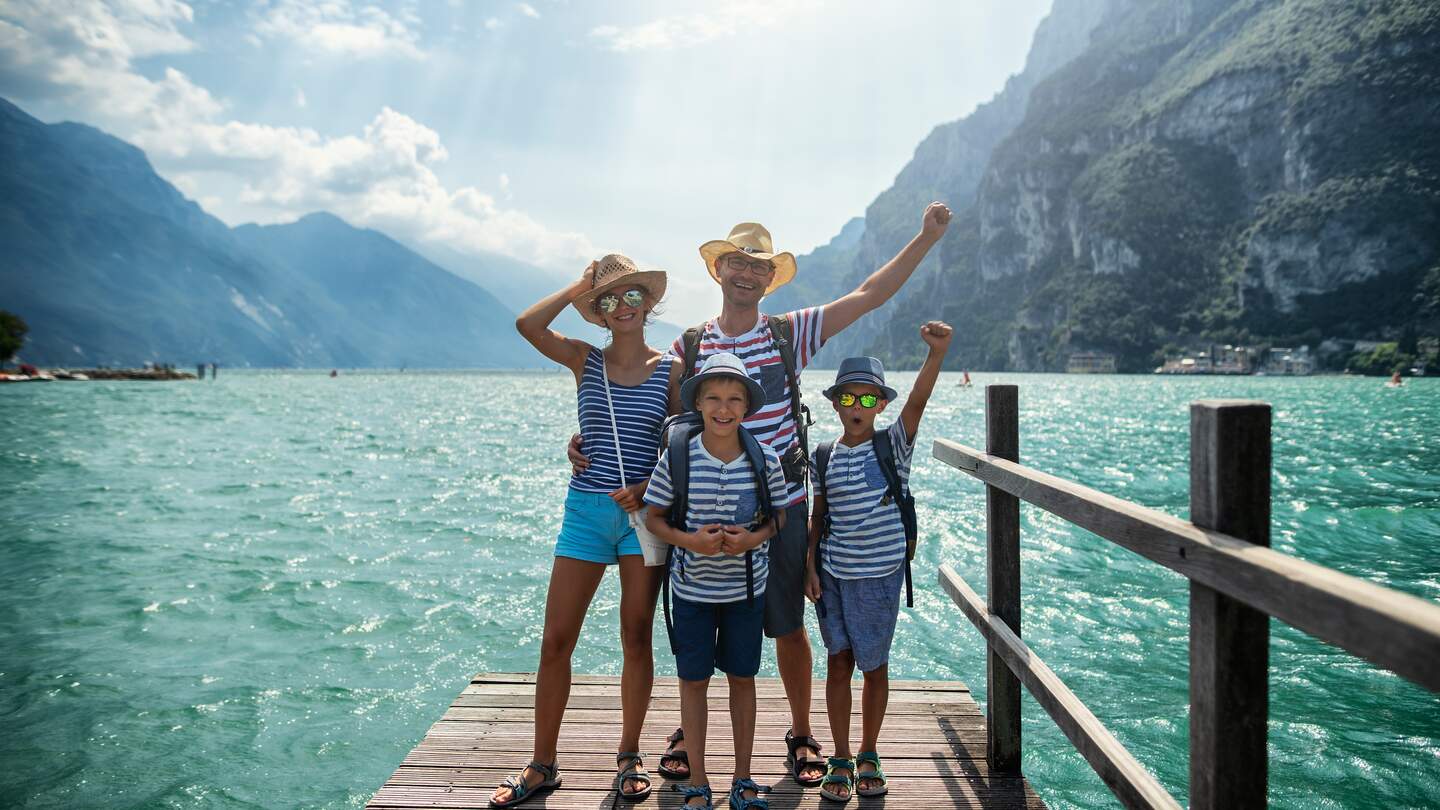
785	587
859	615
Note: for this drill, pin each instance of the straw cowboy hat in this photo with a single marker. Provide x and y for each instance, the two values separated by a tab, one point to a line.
614	270
750	238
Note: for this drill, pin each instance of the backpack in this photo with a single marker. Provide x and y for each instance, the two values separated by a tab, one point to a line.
782	332
676	433
885	455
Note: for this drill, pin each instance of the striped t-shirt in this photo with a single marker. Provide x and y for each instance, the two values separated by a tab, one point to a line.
723	493
773	424
867	536
639	410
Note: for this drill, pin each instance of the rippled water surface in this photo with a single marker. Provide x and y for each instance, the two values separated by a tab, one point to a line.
260	591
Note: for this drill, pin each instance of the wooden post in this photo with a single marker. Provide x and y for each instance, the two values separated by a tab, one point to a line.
1229	641
1002	515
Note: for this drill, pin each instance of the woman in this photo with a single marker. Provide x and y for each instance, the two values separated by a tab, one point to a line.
617	295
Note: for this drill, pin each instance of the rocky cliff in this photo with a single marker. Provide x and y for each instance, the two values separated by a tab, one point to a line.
1221	169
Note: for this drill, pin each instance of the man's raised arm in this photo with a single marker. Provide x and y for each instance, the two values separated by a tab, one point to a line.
885	282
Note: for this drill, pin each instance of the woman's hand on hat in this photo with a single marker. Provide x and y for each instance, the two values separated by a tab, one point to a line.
936	220
586	283
937	334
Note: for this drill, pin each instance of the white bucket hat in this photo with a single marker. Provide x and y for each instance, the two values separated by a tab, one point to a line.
723	364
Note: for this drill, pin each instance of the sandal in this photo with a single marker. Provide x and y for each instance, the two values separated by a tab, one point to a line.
832	765
737	795
689	792
633	770
520	790
667	770
797	765
877	775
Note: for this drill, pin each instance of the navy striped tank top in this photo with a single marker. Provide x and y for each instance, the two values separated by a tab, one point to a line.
639	410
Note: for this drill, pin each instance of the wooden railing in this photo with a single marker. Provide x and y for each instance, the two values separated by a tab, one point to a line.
1236	584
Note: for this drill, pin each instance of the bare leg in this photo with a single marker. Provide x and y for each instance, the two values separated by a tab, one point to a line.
873	702
792	656
838	669
572	586
742	722
639	585
694	715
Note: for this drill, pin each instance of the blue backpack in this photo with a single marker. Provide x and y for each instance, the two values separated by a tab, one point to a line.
676	433
885	454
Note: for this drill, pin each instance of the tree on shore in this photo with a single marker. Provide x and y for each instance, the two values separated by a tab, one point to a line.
12	335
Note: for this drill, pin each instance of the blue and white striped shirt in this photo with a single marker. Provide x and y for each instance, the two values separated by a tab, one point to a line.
639	410
719	493
867	536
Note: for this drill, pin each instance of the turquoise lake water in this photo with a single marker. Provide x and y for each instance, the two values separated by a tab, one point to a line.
261	591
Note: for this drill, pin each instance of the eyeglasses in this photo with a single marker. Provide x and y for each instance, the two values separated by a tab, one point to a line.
738	263
608	302
866	400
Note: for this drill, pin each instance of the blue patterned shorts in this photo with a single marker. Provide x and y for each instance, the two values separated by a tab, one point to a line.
859	615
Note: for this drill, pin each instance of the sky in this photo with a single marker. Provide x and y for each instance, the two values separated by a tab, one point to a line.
553	131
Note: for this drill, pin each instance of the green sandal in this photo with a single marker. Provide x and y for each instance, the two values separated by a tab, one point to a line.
877	775
520	791
832	764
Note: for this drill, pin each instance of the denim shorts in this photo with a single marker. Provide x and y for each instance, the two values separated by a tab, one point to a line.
596	529
724	636
859	615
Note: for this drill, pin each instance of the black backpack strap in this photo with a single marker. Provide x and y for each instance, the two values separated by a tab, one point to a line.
756	456
885	455
690	344
823	451
782	332
679	463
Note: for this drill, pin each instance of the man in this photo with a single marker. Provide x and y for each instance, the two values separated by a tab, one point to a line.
747	269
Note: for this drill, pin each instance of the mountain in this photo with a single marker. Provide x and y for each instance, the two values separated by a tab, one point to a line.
948	166
400	308
1205	170
109	264
521	284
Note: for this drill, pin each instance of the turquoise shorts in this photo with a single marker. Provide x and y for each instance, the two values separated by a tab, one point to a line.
596	529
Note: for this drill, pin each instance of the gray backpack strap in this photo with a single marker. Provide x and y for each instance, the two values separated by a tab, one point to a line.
782	332
690	344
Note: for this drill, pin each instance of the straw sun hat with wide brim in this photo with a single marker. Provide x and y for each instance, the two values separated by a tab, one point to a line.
614	271
752	239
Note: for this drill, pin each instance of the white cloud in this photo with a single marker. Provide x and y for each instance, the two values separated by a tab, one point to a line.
692	29
528	10
300	97
492	23
340	27
382	177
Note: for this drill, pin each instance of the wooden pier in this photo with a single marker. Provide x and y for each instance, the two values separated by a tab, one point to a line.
933	747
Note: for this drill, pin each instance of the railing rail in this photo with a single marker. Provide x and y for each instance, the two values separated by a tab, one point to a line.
1237	583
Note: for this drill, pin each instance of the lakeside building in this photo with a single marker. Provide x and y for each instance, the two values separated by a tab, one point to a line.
1090	363
1288	362
1214	359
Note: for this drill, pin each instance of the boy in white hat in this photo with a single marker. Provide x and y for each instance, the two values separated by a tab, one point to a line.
719	565
861	535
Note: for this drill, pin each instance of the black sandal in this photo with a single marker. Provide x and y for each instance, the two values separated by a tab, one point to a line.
796	764
671	755
632	768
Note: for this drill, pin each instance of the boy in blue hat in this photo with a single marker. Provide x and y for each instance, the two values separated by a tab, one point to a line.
719	564
861	535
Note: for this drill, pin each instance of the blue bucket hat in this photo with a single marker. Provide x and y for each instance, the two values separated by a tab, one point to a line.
862	370
723	364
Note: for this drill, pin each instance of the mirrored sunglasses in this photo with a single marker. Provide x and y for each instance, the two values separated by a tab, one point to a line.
609	302
866	400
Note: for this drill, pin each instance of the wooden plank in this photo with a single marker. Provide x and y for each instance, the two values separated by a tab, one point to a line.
1229	640
1002	565
907	703
1121	772
938	757
1393	630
